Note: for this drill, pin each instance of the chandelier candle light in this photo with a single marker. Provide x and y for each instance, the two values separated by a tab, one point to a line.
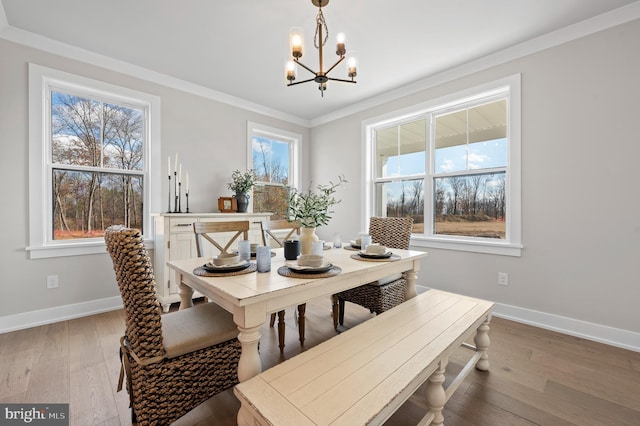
296	42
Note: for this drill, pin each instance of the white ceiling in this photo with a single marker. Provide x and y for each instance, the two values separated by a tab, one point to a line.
239	47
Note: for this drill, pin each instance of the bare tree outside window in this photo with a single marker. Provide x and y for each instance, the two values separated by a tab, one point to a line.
97	166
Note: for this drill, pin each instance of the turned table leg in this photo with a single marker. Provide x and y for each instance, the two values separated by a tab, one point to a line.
186	295
482	345
249	364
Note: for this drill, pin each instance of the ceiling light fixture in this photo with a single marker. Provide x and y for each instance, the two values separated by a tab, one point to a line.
296	43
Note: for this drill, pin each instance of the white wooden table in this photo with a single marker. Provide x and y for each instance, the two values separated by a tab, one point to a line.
251	297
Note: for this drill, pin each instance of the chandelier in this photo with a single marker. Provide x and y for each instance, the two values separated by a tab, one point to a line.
296	43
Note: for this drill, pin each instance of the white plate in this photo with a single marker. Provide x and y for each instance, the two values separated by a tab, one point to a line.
375	255
293	265
210	265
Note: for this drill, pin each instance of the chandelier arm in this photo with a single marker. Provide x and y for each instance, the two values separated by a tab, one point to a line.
305	67
341	79
334	65
300	82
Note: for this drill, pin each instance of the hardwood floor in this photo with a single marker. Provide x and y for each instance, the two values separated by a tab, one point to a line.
537	377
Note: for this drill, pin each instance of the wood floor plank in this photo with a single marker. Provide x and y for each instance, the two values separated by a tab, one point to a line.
536	376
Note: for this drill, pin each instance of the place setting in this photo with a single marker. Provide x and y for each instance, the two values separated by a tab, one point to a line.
305	265
375	253
224	265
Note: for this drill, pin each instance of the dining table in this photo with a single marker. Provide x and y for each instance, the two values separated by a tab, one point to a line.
251	296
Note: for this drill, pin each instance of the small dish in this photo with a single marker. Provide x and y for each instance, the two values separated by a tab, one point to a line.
375	248
355	244
312	260
226	259
326	266
367	255
210	267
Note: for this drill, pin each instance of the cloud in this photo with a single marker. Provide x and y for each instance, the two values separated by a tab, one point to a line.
447	166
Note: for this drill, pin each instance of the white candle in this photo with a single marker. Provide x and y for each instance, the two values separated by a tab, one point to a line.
187	187
169	165
180	174
175	169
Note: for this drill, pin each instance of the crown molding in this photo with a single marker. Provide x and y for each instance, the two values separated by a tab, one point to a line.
55	47
581	29
598	23
3	18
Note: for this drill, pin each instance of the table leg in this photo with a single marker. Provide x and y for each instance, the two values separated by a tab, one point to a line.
250	364
412	277
482	345
186	295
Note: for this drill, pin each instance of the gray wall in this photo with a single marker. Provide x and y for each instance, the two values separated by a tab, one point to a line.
209	136
580	196
581	221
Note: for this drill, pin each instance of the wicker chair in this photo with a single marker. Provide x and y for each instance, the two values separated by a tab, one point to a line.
175	361
381	295
267	226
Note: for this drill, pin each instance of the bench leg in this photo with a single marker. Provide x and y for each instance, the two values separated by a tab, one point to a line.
334	310
435	394
482	345
301	321
281	330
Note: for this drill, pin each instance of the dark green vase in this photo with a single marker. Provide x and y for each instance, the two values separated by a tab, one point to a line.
242	199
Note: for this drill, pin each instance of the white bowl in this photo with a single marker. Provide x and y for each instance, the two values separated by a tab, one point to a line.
226	259
313	260
375	249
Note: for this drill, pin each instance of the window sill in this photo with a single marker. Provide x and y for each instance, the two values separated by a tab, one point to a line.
72	249
486	247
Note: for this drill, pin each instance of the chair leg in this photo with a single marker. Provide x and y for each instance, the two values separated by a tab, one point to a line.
272	320
281	330
301	311
341	312
334	310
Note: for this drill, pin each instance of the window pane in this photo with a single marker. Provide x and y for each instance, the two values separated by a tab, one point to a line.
123	136
402	199
400	150
471	205
471	139
271	198
76	130
271	160
86	203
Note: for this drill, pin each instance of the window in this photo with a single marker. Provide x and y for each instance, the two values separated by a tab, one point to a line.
454	166
90	148
274	159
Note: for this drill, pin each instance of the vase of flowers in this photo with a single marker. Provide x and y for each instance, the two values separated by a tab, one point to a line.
241	183
313	209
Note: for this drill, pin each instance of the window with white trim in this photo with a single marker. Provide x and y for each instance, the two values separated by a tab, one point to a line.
90	161
453	165
274	158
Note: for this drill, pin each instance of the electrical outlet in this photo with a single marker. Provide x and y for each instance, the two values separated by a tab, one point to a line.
52	281
503	278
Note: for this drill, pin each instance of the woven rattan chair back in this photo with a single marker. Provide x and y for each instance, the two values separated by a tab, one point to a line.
392	232
268	226
135	278
204	230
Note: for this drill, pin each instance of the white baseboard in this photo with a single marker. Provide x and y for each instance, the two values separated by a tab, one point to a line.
60	313
587	330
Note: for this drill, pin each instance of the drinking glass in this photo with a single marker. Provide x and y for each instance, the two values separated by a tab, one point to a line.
263	258
244	249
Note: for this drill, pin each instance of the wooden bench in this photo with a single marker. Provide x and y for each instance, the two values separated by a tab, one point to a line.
363	375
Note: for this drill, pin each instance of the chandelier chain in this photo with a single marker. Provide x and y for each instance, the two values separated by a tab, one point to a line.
320	22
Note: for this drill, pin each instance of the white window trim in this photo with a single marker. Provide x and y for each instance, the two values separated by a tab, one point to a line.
40	198
512	246
295	140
